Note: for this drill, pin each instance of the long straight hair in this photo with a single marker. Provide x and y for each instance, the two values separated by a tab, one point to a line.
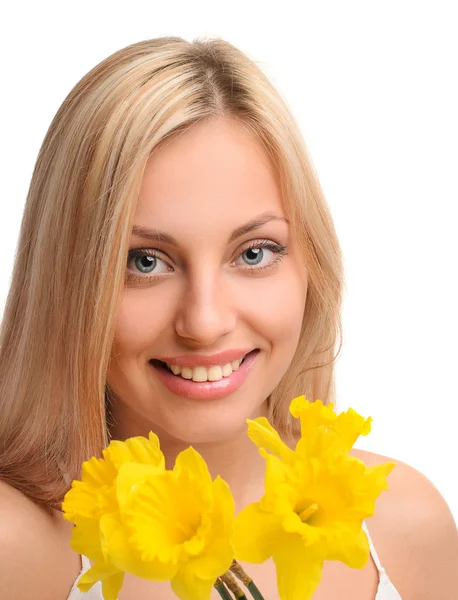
68	277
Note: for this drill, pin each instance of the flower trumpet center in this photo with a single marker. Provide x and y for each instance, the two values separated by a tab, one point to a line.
306	513
186	530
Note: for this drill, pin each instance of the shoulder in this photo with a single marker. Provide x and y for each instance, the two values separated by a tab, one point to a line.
36	560
414	533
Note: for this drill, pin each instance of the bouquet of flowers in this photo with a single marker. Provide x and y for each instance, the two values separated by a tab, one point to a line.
132	515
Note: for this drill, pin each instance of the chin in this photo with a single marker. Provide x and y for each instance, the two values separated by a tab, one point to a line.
214	425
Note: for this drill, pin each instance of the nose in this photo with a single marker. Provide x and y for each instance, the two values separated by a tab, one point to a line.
206	312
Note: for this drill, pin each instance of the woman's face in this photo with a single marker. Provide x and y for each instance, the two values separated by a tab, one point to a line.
213	277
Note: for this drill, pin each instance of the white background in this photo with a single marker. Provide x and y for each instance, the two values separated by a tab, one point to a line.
373	87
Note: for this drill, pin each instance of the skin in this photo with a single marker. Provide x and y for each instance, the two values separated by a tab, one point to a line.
199	188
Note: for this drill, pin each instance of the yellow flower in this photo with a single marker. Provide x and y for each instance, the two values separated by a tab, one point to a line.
316	419
91	499
316	498
156	524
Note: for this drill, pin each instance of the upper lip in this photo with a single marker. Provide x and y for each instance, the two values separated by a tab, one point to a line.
197	360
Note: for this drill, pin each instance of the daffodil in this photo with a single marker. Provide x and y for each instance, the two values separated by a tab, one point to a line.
151	522
90	500
316	498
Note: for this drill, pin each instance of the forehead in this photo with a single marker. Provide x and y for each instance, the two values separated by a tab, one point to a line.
215	174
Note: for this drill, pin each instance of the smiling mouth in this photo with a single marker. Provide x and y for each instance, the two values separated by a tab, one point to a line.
200	373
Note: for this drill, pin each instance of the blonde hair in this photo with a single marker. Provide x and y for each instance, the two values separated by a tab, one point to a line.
58	324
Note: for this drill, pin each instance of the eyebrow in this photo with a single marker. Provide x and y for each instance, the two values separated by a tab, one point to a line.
256	223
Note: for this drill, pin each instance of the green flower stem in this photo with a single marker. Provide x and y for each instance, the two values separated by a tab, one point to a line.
238	571
254	591
221	589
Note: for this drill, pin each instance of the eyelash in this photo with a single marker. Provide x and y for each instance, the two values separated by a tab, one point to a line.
279	250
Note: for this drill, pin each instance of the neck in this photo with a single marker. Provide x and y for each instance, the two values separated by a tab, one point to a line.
235	459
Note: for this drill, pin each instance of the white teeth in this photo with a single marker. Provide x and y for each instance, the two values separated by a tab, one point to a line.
227	370
186	372
201	374
215	373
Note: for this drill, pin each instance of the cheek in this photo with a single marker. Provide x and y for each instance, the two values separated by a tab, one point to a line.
139	322
277	308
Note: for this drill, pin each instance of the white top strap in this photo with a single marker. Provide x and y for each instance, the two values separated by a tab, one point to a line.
95	593
374	554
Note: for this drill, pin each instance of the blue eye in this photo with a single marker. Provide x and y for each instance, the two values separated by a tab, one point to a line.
253	256
262	254
146	262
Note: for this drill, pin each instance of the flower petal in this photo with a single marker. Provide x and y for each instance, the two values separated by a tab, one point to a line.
97	472
92	496
320	443
280	493
351	549
85	540
219	552
215	561
223	505
191	462
261	432
130	476
187	586
313	415
111	586
136	449
299	569
126	557
349	426
378	474
194	482
98	572
256	534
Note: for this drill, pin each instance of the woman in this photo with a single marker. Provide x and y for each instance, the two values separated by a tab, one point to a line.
178	271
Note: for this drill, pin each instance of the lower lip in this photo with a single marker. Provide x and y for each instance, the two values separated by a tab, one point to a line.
207	390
